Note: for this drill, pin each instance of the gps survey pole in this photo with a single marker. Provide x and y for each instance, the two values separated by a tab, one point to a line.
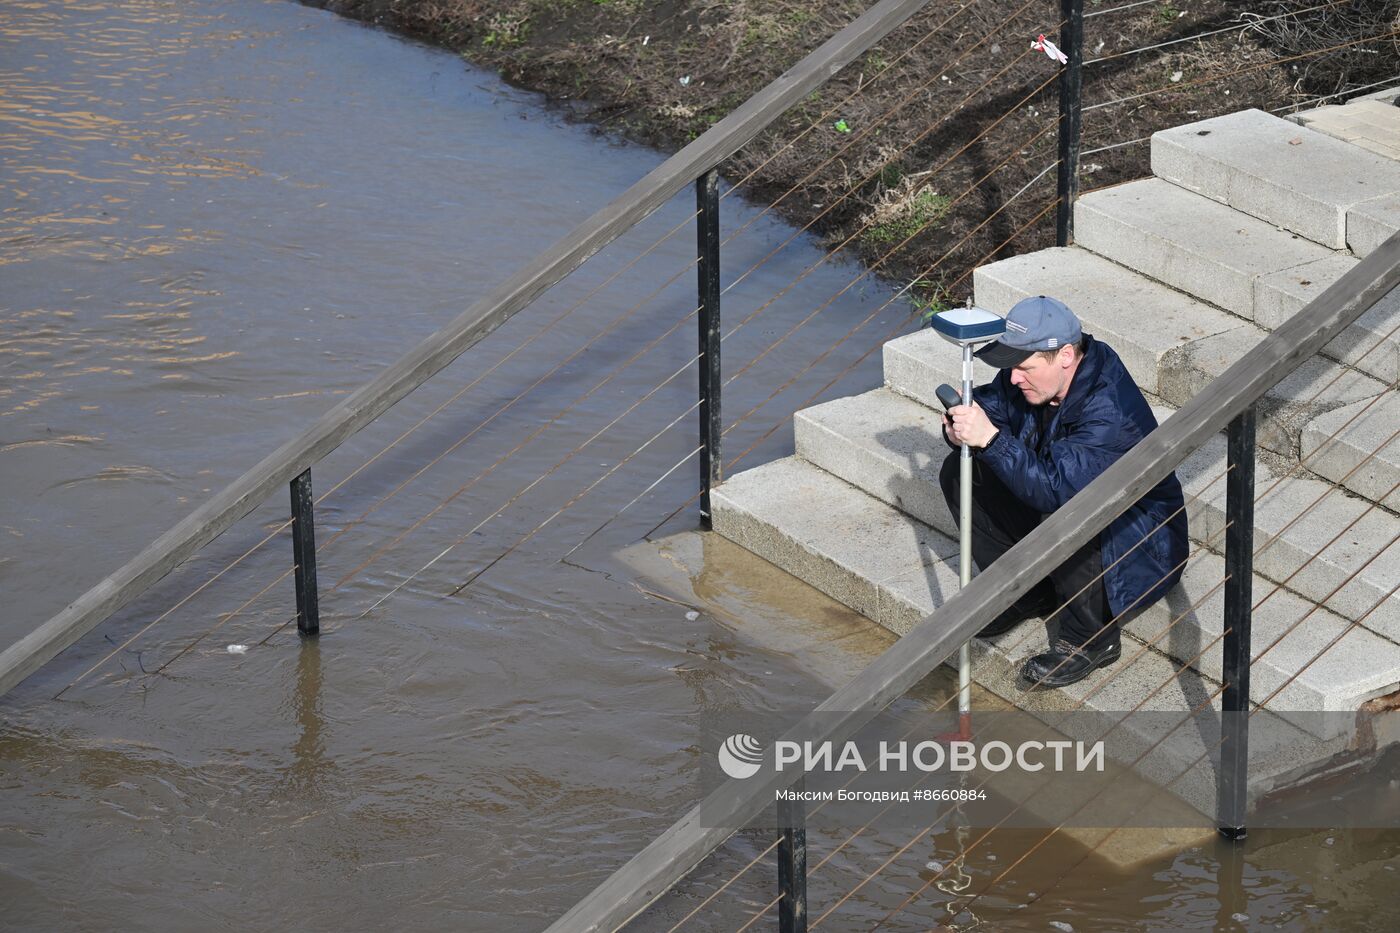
966	327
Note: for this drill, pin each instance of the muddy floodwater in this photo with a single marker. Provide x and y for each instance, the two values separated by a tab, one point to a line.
219	218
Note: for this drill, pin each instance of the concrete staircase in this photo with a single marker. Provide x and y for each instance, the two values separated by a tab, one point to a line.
1246	218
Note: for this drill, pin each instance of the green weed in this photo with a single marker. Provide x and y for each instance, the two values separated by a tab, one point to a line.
907	217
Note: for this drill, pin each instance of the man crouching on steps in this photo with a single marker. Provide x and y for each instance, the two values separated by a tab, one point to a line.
1061	410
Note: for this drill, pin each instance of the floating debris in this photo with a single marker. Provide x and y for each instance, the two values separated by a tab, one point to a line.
692	615
237	649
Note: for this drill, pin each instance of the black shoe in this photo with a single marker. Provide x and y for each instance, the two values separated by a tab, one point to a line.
1014	616
1066	663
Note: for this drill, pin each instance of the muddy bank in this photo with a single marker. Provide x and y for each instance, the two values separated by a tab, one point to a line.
909	157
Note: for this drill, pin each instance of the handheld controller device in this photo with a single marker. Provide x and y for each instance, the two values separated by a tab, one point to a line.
948	396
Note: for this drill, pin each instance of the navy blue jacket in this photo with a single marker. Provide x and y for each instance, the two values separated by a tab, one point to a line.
1101	418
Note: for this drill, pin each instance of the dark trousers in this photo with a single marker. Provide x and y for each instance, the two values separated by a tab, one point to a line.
1000	520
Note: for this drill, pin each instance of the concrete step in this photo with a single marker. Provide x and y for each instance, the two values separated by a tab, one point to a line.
1152	327
1371	223
1188	241
1348	458
1173	346
877	560
1370	123
916	364
1371	344
1158	716
1292	177
896	570
891	448
1296	519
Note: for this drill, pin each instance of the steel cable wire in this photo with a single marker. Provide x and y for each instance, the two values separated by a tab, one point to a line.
754	361
1276	641
579	448
1379	343
548	326
632	407
1121	8
1392	80
288	571
1230	74
1257	707
1148	644
888	335
363	466
1240	27
1316	605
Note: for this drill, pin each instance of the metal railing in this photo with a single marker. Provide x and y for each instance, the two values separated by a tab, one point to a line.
1227	403
290	465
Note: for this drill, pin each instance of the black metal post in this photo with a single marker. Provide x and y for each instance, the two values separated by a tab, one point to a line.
1071	116
707	240
792	864
1232	898
1232	780
304	554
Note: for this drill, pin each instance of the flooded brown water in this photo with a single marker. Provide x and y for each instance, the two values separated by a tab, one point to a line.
220	217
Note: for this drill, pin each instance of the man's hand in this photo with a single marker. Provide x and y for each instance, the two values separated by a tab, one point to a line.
968	424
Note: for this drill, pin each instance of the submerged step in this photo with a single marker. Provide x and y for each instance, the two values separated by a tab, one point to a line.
1290	176
1188	241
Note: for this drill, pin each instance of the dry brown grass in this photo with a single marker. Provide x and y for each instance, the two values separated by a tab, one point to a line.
663	72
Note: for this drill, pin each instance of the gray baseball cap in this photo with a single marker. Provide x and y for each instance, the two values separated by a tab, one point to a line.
1033	325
